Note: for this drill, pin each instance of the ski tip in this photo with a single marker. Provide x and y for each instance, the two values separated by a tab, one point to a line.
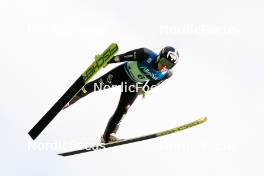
60	154
63	154
202	119
114	44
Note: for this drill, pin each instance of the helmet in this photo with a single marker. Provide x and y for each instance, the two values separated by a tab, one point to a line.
168	56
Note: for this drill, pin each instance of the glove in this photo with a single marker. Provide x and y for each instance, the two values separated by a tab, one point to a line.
142	92
116	59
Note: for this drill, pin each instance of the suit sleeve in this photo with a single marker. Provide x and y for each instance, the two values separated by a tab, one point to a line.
133	55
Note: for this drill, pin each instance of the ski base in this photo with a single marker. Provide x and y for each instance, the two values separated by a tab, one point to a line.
136	139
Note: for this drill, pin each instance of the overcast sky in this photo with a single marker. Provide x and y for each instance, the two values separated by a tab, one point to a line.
46	45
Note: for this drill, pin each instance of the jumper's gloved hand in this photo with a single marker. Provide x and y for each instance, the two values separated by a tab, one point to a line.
115	59
142	92
139	88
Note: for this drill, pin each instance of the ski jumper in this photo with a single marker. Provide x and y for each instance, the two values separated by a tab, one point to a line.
140	67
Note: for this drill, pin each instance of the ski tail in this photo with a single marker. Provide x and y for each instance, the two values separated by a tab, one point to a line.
100	61
137	139
56	108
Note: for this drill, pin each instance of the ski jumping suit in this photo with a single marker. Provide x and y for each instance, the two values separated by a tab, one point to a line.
140	67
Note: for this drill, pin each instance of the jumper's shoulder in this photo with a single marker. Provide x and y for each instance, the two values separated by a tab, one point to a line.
143	53
149	52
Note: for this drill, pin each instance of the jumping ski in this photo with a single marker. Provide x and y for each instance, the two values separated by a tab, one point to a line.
136	139
100	61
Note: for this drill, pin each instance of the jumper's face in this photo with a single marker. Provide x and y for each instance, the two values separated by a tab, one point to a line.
163	64
162	67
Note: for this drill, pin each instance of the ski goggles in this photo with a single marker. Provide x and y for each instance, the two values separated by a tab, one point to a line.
165	62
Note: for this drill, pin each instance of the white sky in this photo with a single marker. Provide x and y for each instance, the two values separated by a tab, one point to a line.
46	45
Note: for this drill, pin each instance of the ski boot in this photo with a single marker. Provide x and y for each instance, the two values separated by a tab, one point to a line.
112	138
